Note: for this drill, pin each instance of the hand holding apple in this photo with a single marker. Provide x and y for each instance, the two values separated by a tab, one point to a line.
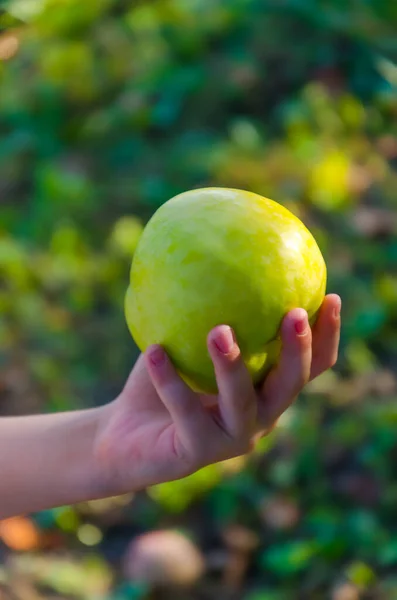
223	285
220	256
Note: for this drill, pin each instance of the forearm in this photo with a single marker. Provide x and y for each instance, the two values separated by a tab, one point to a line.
47	461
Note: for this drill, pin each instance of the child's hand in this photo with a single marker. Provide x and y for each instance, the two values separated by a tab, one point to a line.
158	429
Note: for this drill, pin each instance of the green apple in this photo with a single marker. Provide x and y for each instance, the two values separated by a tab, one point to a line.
221	256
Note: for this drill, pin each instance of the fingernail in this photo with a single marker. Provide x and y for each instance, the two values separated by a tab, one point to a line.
301	325
157	356
337	309
224	340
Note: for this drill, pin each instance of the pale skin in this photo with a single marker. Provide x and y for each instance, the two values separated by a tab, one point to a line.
157	429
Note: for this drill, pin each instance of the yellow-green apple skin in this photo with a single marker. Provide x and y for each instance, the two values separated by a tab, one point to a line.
217	256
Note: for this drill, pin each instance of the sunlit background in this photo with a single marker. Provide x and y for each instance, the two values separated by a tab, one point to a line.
107	109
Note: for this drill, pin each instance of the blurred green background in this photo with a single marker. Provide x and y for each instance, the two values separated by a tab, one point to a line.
107	109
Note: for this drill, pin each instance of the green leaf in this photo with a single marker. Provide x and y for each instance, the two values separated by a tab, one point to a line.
290	558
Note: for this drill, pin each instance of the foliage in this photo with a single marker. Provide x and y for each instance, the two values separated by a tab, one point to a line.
109	108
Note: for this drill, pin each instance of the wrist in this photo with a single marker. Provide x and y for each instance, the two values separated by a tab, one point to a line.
106	478
74	437
97	476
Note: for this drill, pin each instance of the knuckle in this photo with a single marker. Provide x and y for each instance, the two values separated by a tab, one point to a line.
230	364
178	397
334	359
323	363
301	379
182	402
